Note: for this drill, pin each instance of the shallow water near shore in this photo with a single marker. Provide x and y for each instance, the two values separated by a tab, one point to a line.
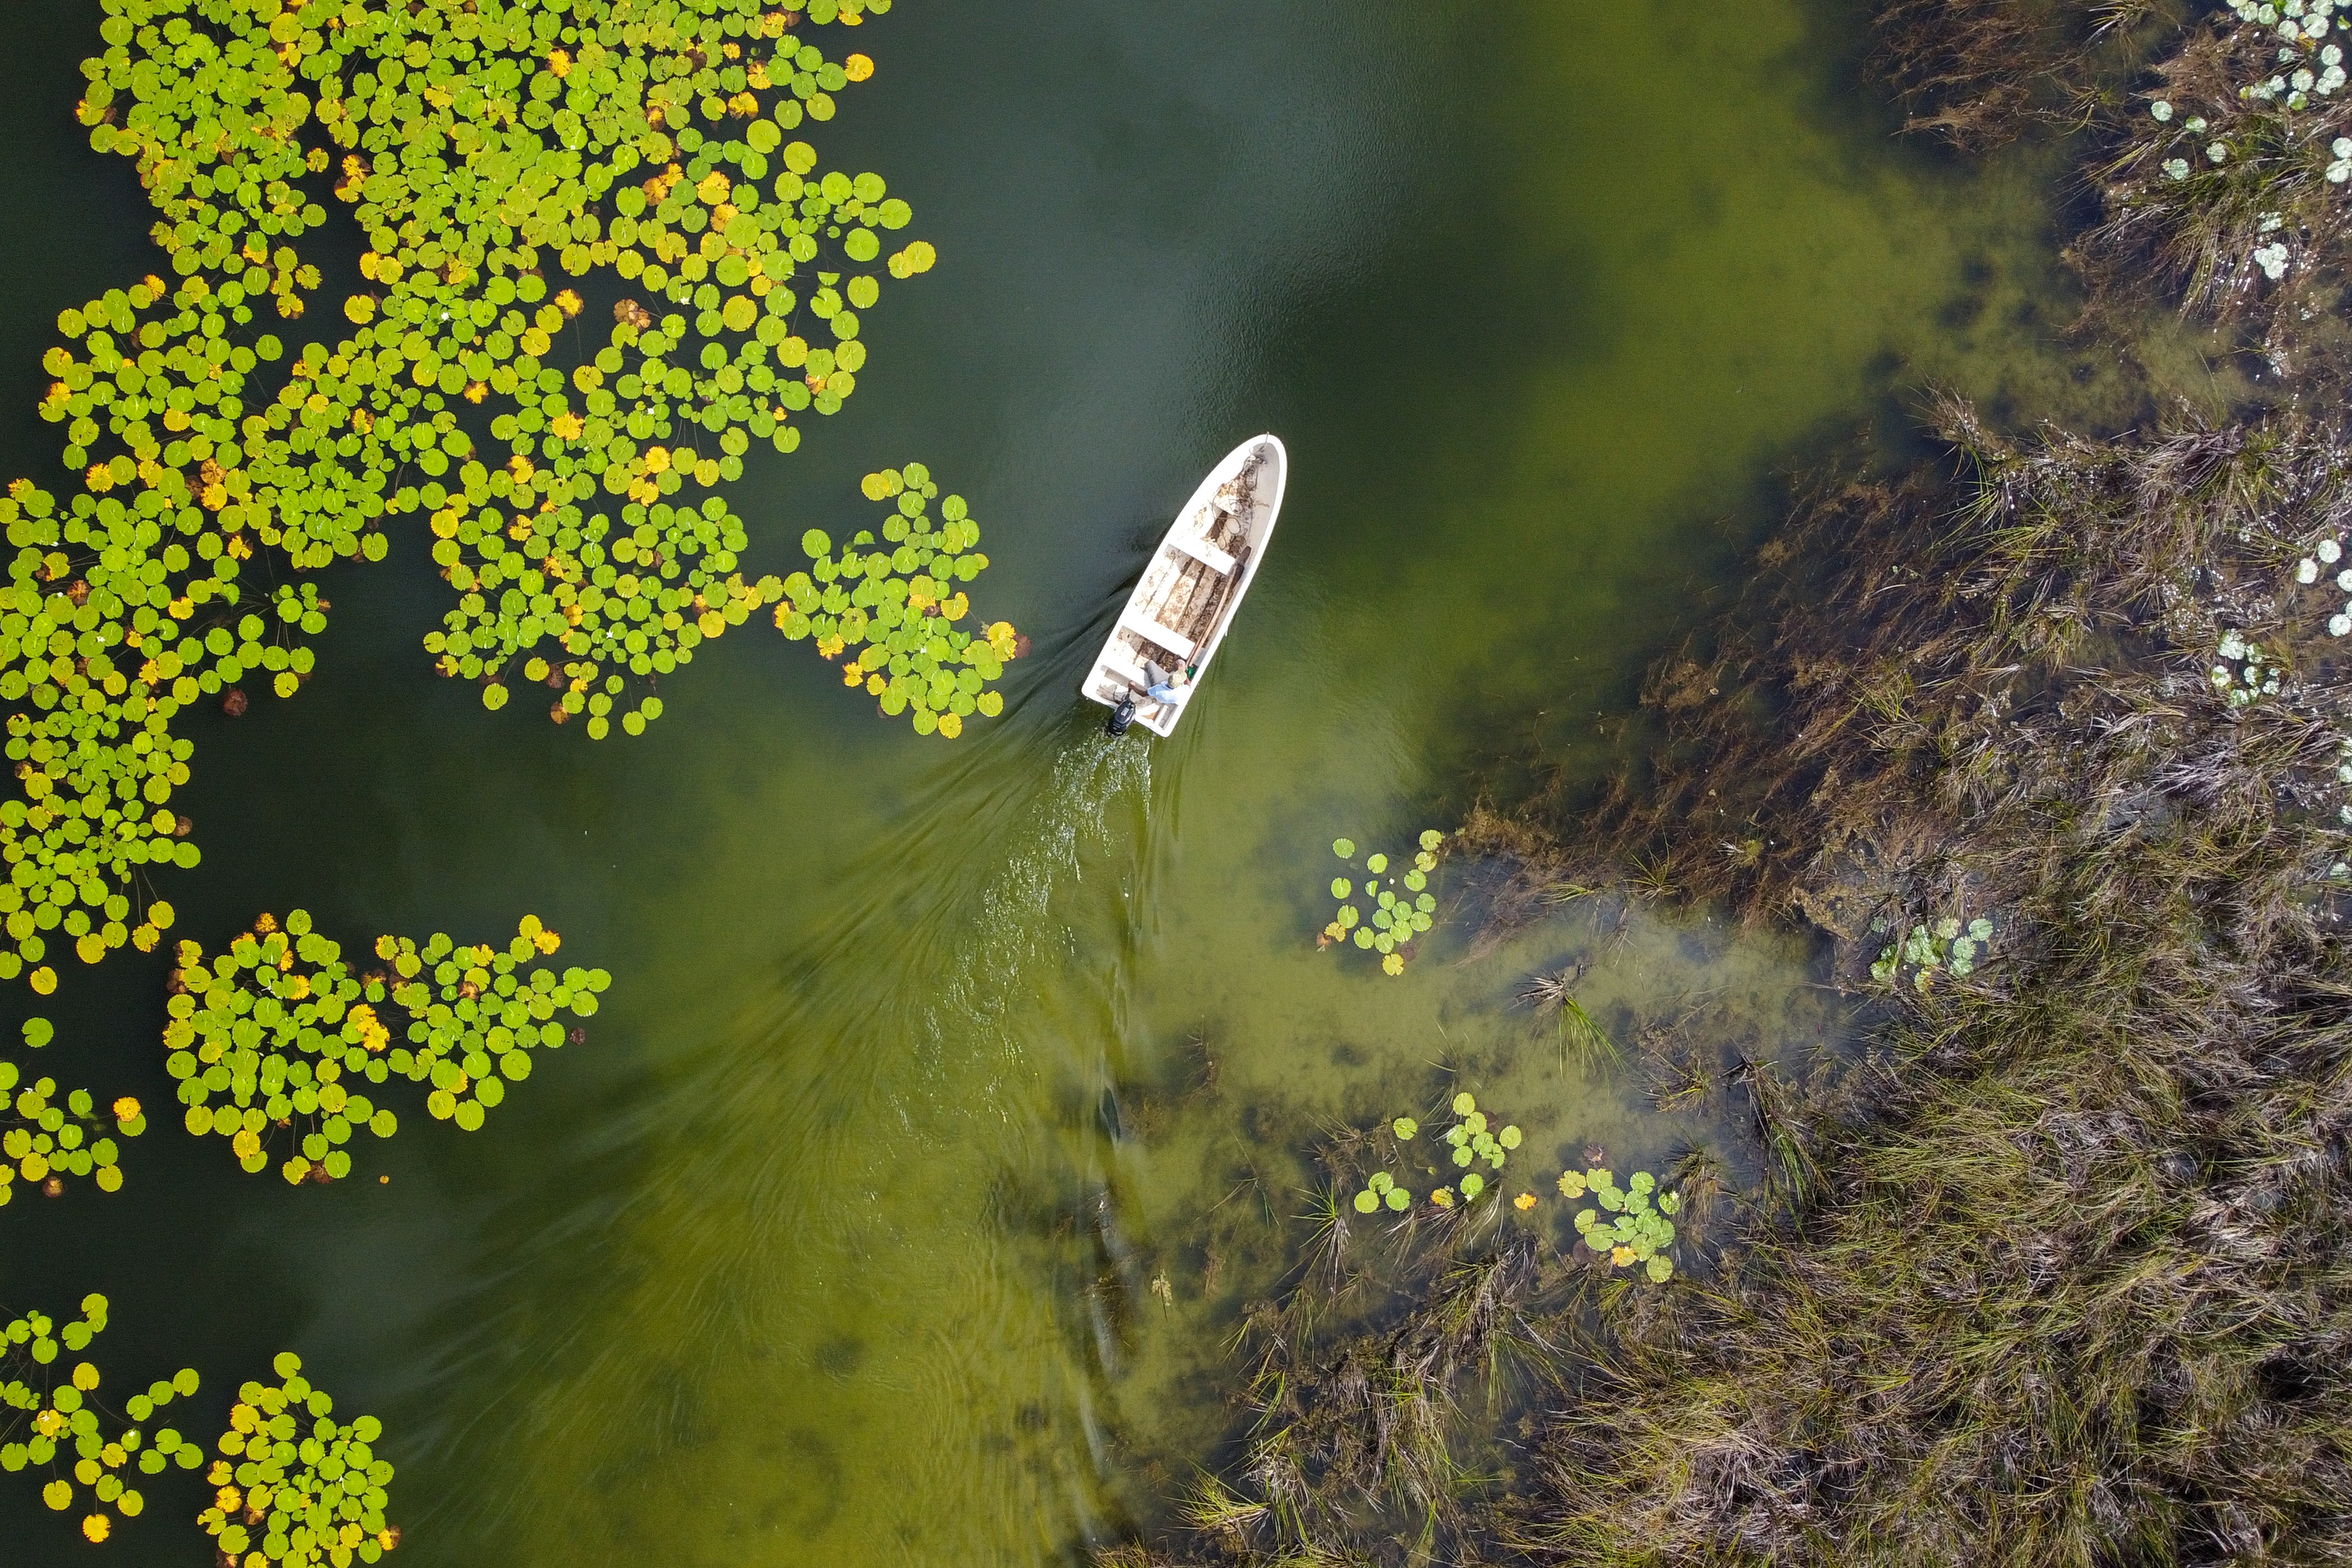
923	1062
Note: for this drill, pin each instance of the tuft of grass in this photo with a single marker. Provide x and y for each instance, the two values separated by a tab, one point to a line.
1582	1038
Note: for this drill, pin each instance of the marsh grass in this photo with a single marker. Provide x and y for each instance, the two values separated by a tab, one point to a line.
2062	1275
2059	1271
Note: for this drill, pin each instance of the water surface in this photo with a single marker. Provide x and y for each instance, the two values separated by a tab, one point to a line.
922	1060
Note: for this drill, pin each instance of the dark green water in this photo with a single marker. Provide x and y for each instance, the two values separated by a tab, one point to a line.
832	1244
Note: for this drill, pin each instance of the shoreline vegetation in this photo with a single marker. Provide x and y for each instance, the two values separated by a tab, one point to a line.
2047	737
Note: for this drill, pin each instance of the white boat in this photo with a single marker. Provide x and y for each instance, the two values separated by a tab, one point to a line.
1197	578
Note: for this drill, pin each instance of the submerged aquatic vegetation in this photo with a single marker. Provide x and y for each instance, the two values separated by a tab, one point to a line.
1395	917
1992	1305
898	597
279	1033
299	1488
46	1136
1385	1397
45	1412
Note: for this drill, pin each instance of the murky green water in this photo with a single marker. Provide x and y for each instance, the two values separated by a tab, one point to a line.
922	1061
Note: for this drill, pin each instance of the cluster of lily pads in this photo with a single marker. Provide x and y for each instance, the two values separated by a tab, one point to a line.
83	660
1401	905
1469	1142
280	1035
610	604
46	1137
304	1488
1640	1233
2246	672
898	597
40	1424
480	147
2302	29
1473	1143
1643	1227
2318	564
1928	949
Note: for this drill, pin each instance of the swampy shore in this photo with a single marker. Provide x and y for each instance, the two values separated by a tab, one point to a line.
2042	738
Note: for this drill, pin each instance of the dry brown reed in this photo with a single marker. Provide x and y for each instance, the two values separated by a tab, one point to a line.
2072	1282
1980	73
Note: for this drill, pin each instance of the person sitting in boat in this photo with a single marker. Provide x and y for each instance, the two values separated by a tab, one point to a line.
1163	685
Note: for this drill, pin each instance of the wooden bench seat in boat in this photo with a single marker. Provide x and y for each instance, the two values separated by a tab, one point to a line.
1121	662
1207	553
1151	631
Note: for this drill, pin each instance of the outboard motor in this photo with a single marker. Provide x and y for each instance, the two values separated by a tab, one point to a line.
1122	716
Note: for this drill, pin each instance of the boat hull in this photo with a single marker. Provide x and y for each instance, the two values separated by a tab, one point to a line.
1184	603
